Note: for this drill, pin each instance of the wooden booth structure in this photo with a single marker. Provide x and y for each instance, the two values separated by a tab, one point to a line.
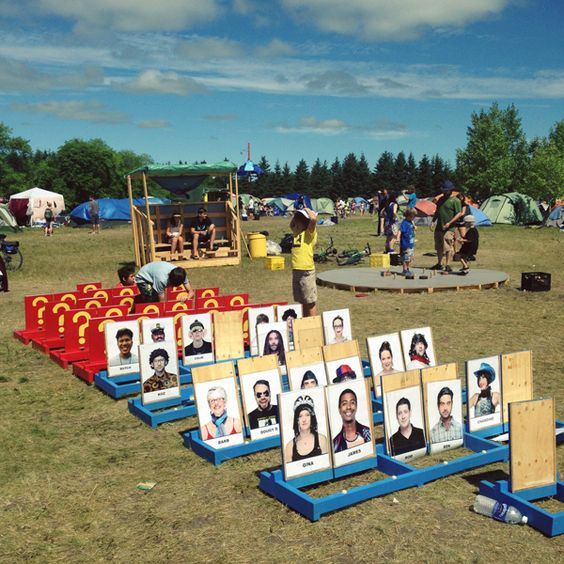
149	221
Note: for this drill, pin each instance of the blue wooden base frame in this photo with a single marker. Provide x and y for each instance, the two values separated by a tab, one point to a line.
401	476
551	524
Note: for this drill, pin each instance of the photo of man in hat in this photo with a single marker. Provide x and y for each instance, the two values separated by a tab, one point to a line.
486	401
198	346
344	373
157	333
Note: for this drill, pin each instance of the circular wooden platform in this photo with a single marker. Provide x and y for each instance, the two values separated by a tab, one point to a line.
371	279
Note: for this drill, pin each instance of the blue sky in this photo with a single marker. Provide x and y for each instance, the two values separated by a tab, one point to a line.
199	79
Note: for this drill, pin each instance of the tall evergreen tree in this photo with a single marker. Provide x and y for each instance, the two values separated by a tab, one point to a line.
400	173
337	188
320	180
424	182
384	171
301	178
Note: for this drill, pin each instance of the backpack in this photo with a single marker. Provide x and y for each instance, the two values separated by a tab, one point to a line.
49	214
287	243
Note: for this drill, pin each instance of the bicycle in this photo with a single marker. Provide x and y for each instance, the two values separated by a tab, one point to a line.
11	253
329	252
354	256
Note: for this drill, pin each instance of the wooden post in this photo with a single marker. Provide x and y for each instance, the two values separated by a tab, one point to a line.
133	222
149	222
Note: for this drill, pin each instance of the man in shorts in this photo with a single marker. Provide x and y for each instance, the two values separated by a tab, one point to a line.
303	226
448	211
94	211
202	229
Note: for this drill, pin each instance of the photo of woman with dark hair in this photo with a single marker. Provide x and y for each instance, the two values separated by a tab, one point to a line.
307	441
386	359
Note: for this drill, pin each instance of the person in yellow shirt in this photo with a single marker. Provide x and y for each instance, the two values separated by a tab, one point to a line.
303	226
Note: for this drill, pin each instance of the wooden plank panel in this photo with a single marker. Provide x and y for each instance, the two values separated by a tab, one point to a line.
516	378
295	359
532	444
308	332
257	364
228	334
401	380
211	372
340	350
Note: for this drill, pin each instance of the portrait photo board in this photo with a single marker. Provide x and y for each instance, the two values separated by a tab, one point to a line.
261	423
265	331
391	347
153	387
290	311
116	365
266	312
423	335
204	353
301	365
396	387
482	413
328	330
215	379
443	380
362	446
291	404
339	369
163	326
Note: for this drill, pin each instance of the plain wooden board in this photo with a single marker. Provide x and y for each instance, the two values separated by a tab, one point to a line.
532	444
308	332
228	335
436	374
516	379
401	380
341	350
295	359
213	372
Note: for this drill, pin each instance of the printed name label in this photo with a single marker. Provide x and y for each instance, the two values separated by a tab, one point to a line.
305	464
267	430
353	452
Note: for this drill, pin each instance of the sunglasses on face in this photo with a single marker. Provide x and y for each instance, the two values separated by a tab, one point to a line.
263	394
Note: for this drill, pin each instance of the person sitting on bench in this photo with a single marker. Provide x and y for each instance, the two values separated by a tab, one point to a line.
202	229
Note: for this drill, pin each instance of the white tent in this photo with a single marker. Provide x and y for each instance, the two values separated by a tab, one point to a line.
37	200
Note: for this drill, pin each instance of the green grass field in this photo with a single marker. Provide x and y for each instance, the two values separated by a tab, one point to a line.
71	457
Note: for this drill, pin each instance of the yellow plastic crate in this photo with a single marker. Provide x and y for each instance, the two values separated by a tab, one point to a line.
274	263
380	260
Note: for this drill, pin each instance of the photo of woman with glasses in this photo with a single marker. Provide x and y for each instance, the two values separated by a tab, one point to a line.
222	424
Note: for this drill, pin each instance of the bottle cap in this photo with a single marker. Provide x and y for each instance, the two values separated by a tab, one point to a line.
524	520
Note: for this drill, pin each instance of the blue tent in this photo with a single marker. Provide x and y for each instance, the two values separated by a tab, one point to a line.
482	220
249	169
112	209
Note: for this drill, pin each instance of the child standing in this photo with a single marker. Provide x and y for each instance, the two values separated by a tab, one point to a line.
49	217
407	240
303	226
470	243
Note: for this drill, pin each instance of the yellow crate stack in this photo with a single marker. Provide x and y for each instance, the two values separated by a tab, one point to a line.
274	263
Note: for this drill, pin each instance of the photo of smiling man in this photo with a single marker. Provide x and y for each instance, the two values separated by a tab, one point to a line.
122	340
350	422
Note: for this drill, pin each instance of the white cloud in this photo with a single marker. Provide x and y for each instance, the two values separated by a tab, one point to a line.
220	117
276	48
154	124
385	20
157	82
82	111
311	125
129	15
205	48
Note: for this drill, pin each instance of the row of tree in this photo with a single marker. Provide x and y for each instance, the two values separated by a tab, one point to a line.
497	159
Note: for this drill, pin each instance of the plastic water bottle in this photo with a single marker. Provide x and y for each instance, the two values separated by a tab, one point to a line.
500	511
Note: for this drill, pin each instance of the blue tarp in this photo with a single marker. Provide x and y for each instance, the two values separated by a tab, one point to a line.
482	220
112	209
294	196
249	169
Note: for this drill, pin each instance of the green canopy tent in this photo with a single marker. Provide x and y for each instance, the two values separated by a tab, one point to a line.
8	222
323	206
512	209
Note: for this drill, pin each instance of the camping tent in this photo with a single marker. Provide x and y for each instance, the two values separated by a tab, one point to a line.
556	217
7	220
29	206
112	209
482	220
512	208
323	205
